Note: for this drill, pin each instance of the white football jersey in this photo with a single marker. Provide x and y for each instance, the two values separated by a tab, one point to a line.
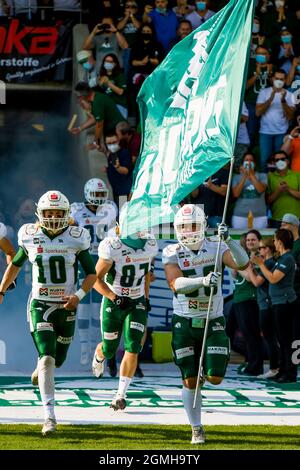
201	264
54	261
127	274
97	224
3	231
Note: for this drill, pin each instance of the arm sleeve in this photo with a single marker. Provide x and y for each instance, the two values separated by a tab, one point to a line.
20	257
86	262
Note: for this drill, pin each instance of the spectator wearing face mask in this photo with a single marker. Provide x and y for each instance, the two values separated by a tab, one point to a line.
113	83
249	189
284	53
259	78
200	15
276	107
258	37
86	59
164	20
293	77
283	192
119	167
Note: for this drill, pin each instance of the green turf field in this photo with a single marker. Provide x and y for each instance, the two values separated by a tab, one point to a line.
104	437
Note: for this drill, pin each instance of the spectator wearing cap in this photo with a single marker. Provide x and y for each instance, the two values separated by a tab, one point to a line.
291	222
284	301
200	15
283	192
130	139
105	39
259	78
291	145
101	111
164	20
276	107
86	59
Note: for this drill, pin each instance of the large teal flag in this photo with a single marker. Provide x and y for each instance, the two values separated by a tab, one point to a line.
190	107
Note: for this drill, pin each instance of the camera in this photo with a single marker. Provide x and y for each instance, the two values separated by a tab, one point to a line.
103	28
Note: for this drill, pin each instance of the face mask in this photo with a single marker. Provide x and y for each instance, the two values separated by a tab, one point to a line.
261	59
161	10
113	148
255	28
278	83
201	6
281	165
108	66
87	66
286	39
279	3
146	36
248	165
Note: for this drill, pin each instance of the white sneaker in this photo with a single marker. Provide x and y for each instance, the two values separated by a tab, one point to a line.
49	426
198	435
35	377
98	367
268	375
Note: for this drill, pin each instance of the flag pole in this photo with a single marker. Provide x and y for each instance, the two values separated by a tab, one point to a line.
200	369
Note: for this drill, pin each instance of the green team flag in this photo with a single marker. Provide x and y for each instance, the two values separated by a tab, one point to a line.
190	108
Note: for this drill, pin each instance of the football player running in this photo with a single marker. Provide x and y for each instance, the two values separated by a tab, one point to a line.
54	248
98	215
189	268
122	269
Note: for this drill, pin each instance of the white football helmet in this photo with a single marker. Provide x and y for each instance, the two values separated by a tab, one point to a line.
93	189
53	200
190	225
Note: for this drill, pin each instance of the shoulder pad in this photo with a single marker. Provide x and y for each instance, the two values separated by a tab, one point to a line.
75	231
3	231
30	229
115	243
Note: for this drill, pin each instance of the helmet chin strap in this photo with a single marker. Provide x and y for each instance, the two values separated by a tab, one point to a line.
194	246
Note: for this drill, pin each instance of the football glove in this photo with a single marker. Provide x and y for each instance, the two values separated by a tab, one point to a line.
223	232
212	279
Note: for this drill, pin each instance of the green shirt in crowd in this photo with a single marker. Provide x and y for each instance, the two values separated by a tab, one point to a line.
285	201
244	290
104	109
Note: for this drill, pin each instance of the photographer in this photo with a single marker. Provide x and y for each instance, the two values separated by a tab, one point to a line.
249	190
291	145
119	167
105	39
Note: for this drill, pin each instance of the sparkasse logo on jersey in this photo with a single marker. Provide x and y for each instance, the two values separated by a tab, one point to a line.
28	39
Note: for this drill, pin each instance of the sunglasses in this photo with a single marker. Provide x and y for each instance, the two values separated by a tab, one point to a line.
280	159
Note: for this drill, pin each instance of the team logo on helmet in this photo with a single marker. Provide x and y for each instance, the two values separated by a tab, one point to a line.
53	201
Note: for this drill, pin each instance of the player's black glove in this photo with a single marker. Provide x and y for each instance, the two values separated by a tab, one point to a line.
148	305
121	302
13	285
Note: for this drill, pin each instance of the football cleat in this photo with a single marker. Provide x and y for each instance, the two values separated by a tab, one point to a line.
118	404
35	377
198	435
49	427
98	367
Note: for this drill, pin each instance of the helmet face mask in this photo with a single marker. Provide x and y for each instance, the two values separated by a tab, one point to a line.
53	210
95	192
190	225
